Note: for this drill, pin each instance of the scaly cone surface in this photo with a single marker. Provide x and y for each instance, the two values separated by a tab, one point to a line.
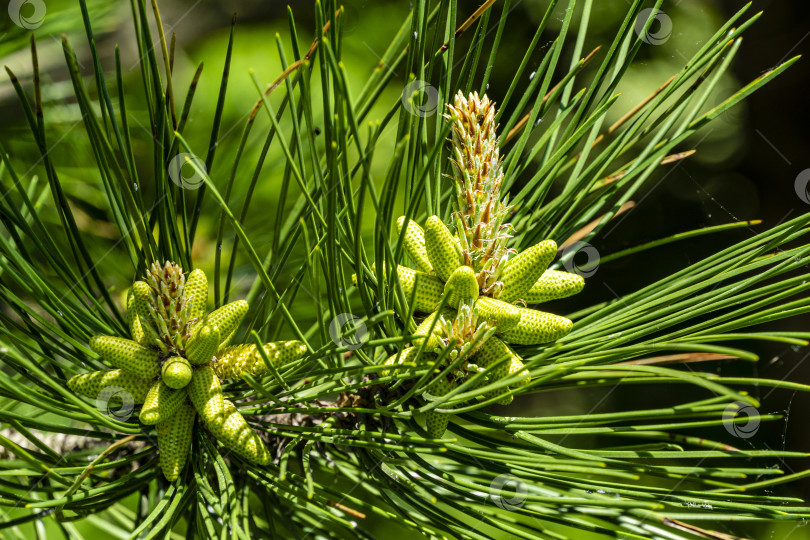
481	216
175	360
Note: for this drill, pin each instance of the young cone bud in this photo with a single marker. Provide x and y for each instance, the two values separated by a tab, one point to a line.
174	441
553	285
516	367
140	300
135	328
408	355
461	286
415	244
236	361
537	327
235	433
493	350
429	290
227	319
442	249
161	403
434	340
436	422
504	316
177	372
127	355
91	384
525	269
205	393
203	344
196	291
481	215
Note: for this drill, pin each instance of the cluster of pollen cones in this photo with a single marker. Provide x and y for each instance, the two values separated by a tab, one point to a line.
485	324
474	288
175	361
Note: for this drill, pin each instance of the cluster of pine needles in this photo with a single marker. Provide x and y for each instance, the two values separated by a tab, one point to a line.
333	442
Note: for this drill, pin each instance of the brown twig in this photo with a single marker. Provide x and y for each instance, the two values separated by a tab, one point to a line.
290	69
466	24
616	125
584	231
694	529
350	511
672	158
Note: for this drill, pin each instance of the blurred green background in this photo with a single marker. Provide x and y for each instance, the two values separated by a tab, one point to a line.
744	168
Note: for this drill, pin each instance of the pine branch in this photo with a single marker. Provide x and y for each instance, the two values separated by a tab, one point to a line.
383	421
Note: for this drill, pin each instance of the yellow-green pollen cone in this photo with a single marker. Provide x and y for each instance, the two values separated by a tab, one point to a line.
175	360
161	403
176	372
436	422
523	270
127	355
91	384
442	249
203	344
174	440
135	329
414	244
238	360
461	286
